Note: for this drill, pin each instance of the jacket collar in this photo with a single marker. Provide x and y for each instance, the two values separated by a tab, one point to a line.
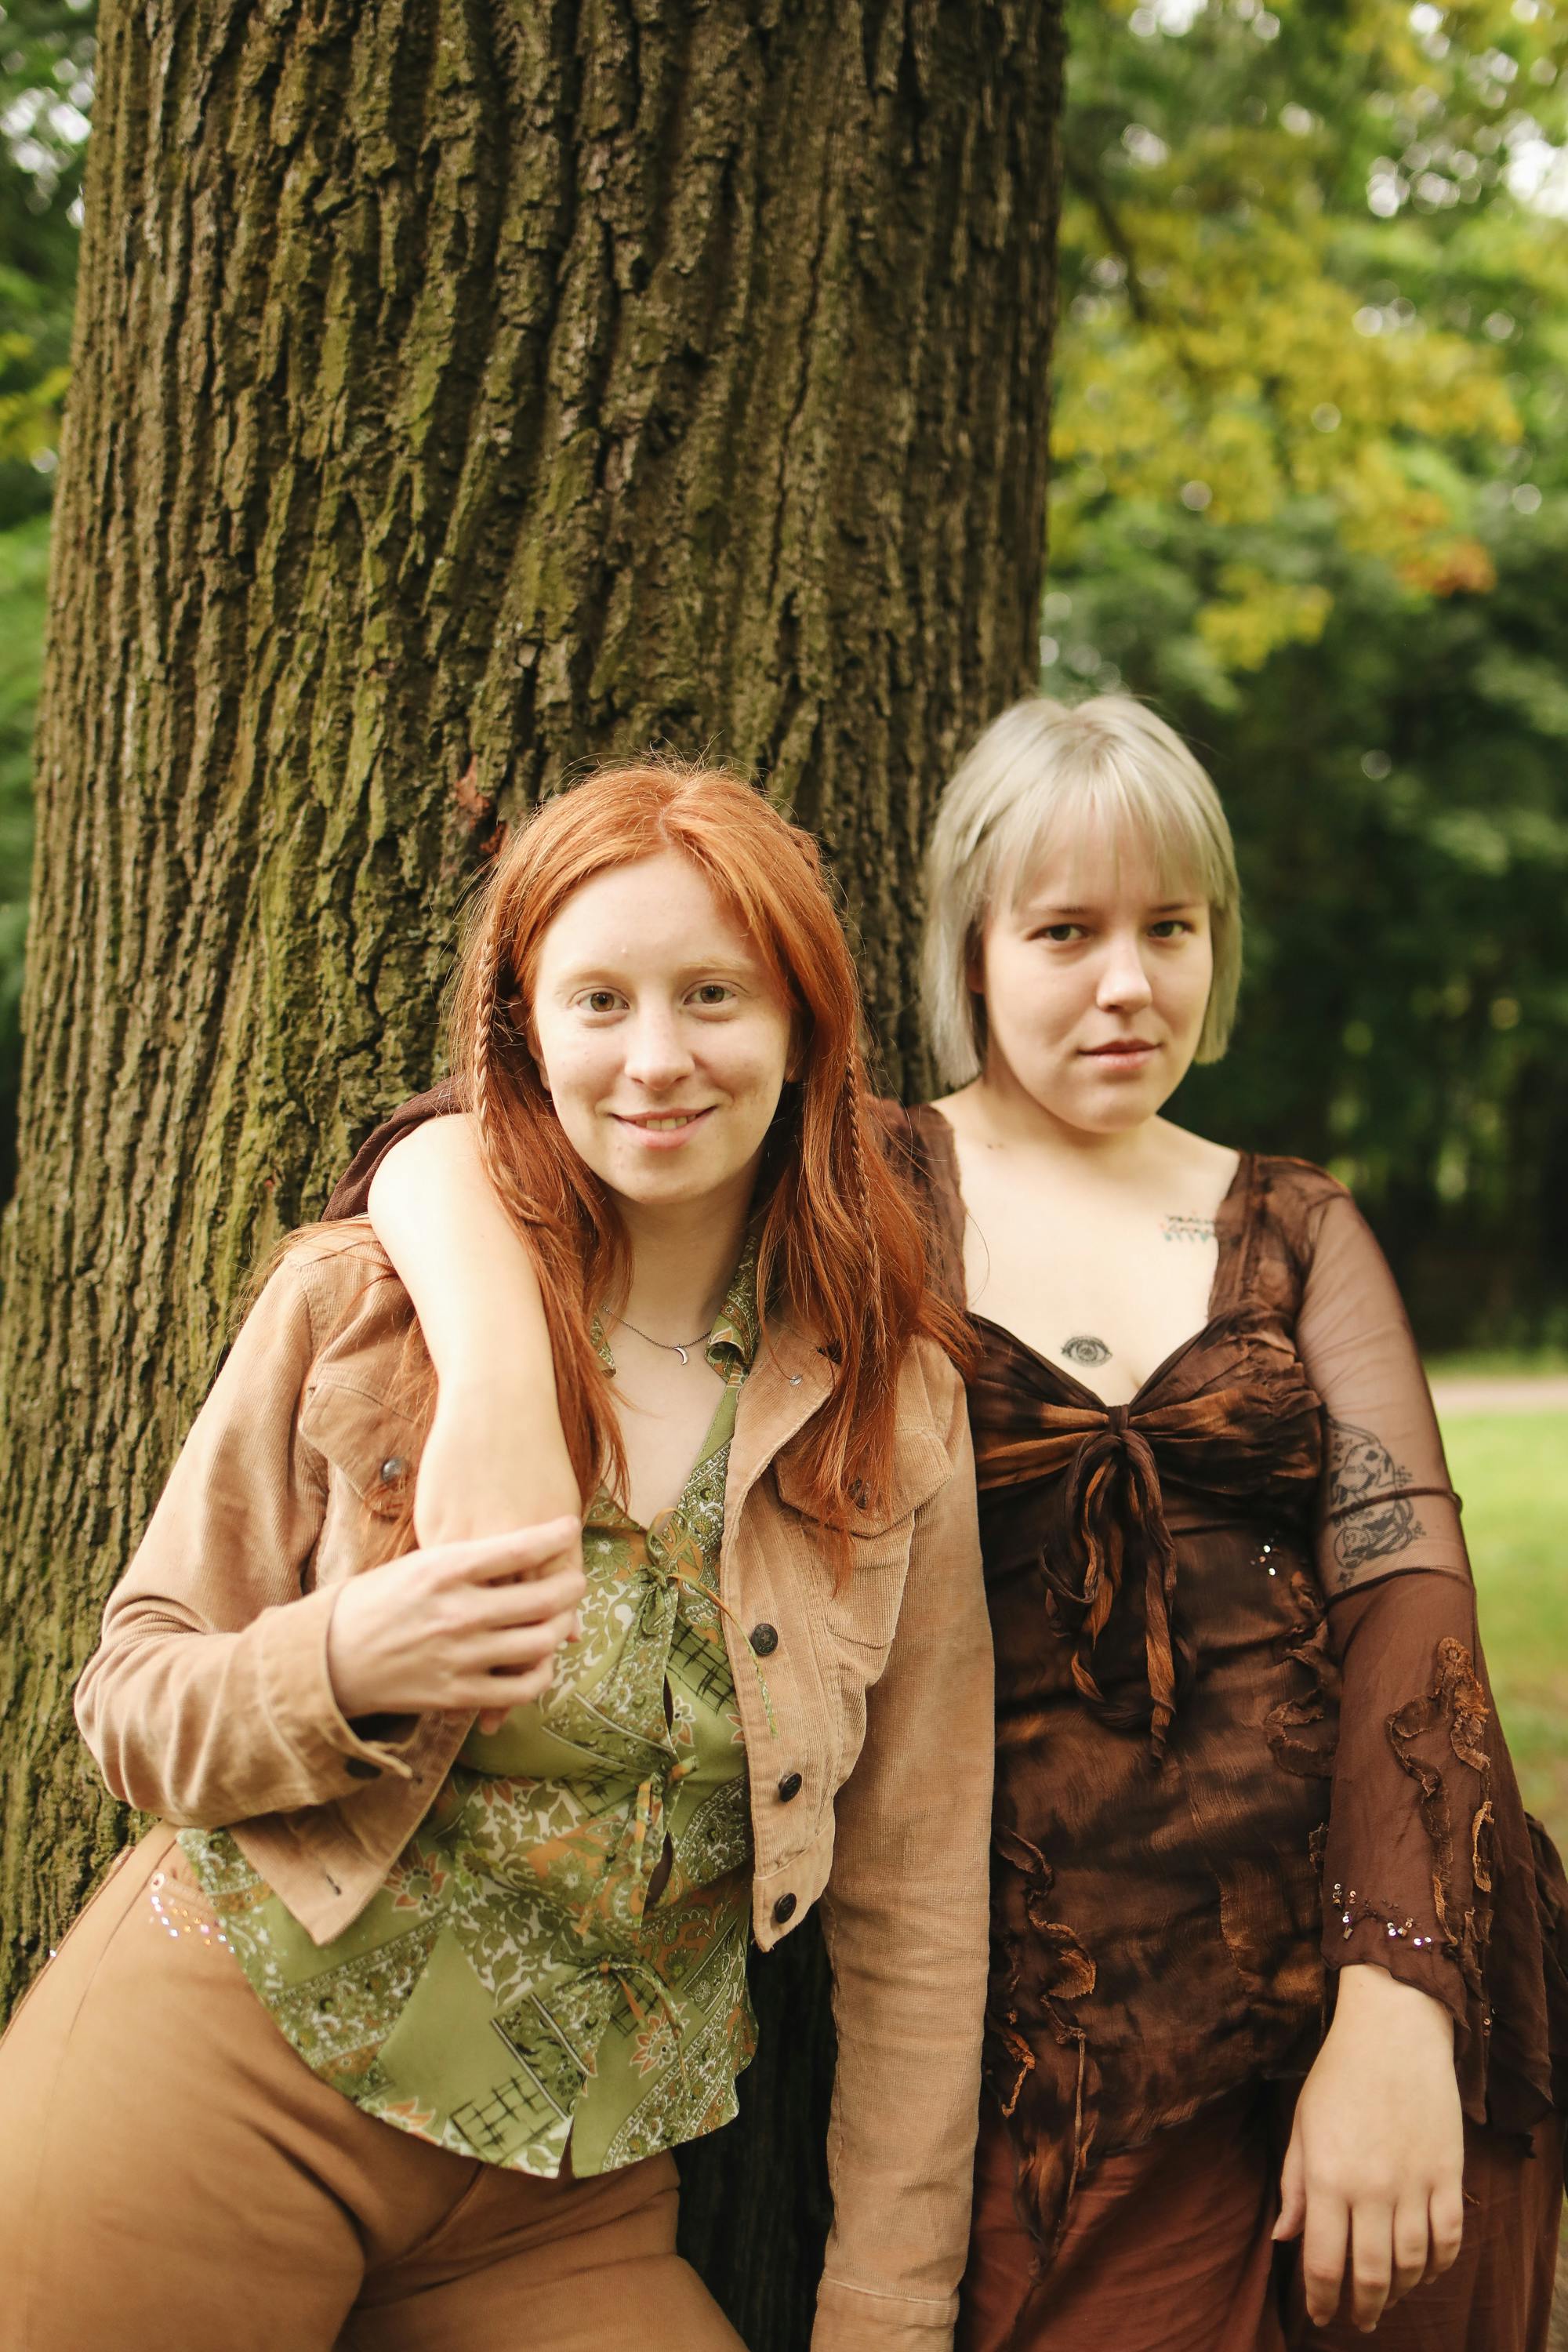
790	1380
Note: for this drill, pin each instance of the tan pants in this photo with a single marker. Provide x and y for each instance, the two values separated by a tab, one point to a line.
172	2175
1167	2249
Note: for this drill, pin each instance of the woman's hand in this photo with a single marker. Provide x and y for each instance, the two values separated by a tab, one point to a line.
457	1627
1375	2162
484	1470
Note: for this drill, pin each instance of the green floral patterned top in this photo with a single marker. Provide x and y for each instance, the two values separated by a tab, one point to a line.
513	1985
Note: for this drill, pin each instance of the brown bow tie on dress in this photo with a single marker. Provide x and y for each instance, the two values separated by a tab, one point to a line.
1259	1426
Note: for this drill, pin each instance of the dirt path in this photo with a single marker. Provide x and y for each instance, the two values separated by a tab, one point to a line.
1501	1392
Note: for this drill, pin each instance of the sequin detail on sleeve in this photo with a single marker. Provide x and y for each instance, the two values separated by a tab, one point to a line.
1457	1705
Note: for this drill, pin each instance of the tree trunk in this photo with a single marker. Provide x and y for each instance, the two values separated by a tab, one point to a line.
462	391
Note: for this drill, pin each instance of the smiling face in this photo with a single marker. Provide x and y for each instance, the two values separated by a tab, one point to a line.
1095	976
661	1036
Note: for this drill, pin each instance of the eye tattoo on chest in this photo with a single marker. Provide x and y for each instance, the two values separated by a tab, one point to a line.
1084	1349
1190	1229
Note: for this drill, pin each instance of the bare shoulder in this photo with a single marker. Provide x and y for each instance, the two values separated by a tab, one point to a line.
957	1109
1200	1172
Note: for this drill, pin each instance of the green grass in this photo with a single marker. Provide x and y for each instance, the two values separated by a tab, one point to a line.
1505	1364
1512	1472
1512	1468
24	570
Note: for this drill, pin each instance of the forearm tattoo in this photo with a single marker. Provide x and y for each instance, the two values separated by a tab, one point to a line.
1086	1349
1190	1229
1374	1519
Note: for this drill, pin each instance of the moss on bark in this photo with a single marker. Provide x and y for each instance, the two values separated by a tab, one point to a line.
461	393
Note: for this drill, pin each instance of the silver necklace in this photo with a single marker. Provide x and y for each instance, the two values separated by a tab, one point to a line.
667	1347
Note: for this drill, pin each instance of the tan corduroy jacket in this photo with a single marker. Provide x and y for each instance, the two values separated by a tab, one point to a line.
208	1702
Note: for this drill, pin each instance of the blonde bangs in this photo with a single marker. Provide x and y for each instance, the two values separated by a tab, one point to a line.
1045	769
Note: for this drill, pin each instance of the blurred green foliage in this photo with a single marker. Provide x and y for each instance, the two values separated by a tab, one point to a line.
24	561
1311	497
46	99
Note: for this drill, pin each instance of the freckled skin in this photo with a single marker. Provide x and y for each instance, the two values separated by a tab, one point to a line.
649	1001
665	1045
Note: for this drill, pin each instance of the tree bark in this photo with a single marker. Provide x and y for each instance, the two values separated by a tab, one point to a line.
461	393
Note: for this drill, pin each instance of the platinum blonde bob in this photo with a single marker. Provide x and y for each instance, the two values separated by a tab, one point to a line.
1040	767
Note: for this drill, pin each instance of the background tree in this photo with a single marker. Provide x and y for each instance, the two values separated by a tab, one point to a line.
445	443
1311	495
457	393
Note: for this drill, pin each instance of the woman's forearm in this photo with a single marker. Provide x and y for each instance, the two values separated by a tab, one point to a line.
461	1260
495	1455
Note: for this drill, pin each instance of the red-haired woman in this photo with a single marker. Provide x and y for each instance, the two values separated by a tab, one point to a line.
382	2038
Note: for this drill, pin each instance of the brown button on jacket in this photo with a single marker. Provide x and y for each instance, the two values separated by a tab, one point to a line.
208	1702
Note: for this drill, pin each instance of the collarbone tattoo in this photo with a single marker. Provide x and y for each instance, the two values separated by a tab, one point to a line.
1084	1348
1190	1229
1374	1516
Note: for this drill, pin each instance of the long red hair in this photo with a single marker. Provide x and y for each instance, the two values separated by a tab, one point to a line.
841	1245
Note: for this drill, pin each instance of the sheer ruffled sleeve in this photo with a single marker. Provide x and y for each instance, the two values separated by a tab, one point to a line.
1387	1505
1409	1868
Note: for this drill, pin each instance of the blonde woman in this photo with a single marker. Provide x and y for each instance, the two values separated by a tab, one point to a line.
1249	1776
1272	1939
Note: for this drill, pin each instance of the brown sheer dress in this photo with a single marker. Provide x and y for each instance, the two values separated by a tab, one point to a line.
1244	1732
